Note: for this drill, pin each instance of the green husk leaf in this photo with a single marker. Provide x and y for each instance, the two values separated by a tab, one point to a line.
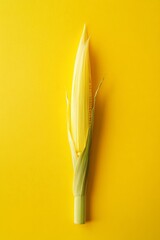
80	165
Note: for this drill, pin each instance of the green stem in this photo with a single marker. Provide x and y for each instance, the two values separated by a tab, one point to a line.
79	209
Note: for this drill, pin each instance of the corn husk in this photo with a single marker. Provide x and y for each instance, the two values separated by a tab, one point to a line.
80	119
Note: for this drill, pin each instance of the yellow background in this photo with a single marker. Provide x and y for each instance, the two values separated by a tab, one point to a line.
38	43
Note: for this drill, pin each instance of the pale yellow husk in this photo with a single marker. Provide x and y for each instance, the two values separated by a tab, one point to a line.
80	118
81	101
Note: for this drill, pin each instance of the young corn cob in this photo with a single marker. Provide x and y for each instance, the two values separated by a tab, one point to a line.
80	123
